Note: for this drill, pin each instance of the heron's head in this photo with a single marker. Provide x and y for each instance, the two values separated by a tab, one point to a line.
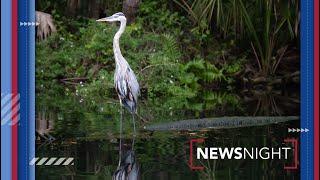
115	17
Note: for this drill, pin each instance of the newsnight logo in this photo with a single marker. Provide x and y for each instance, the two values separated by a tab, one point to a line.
289	151
242	153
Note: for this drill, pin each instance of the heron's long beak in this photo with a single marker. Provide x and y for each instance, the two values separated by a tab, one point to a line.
108	19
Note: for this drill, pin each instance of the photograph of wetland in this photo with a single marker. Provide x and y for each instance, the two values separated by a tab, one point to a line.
122	86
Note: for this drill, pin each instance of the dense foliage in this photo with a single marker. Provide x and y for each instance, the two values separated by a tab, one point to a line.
192	56
193	59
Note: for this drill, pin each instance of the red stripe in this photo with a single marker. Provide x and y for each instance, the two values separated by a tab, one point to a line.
296	149
14	26
316	90
191	165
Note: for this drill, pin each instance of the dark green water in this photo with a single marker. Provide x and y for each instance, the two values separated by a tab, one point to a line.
88	130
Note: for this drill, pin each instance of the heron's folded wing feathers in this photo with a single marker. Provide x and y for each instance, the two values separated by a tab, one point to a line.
121	87
132	84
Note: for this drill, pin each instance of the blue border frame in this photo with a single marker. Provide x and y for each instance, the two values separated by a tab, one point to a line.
307	88
5	86
26	76
26	84
32	55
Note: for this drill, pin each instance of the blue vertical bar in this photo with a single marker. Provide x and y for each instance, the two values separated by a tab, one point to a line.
306	154
32	136
24	90
5	86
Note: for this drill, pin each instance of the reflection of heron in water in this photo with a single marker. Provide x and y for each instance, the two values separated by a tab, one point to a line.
128	90
128	169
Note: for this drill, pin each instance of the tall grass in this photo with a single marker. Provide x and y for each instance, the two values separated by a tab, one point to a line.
267	41
268	26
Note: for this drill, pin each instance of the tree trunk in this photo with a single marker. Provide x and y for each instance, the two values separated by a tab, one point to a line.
130	8
72	6
71	9
93	9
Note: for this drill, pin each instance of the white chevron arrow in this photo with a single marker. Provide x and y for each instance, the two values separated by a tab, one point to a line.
29	23
298	130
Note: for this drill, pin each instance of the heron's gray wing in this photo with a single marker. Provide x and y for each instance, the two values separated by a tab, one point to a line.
132	84
127	88
121	86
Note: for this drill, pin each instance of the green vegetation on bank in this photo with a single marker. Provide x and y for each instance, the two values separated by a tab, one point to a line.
187	56
175	48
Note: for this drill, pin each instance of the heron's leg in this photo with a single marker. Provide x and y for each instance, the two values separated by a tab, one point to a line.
134	130
120	135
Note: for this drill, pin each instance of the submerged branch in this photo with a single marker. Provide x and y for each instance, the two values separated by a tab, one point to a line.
220	123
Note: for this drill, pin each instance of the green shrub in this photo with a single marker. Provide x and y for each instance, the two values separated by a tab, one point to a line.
155	58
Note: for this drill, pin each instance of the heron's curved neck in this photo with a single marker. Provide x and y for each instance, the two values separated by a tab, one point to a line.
116	46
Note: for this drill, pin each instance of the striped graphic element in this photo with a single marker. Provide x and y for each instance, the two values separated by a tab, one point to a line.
55	161
10	107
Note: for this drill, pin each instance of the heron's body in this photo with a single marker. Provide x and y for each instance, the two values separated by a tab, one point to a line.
127	86
125	81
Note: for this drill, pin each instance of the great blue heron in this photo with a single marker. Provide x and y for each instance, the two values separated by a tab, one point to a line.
125	81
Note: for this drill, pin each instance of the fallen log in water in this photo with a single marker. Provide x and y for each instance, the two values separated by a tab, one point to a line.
220	123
